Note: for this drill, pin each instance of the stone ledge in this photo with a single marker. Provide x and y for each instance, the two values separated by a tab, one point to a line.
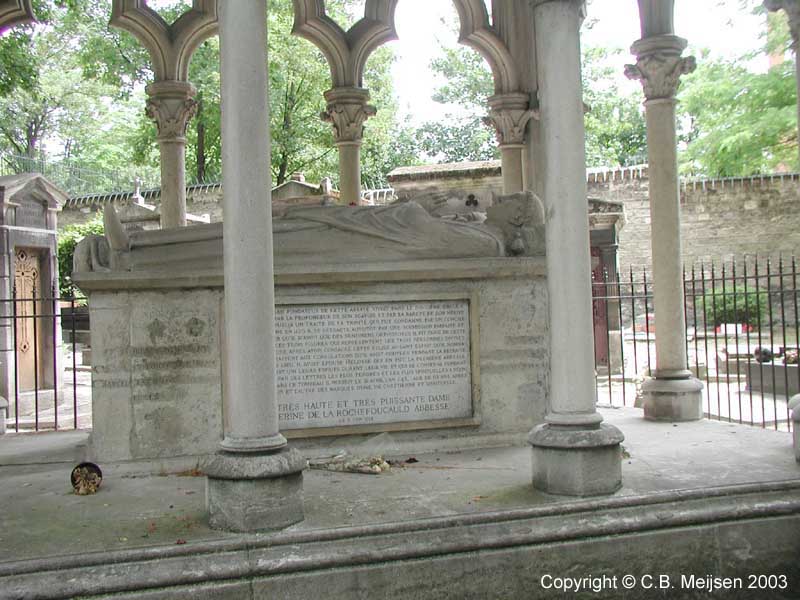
390	272
523	534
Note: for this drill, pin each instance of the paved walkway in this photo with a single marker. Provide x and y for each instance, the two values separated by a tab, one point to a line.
42	517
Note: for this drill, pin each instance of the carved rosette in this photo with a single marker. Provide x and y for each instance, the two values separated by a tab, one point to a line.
347	111
659	65
792	8
509	115
171	105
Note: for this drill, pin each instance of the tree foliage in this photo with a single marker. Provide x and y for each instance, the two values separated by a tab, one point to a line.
84	73
615	128
462	135
737	122
68	238
616	133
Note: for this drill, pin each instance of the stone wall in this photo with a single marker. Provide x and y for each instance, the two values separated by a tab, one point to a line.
720	218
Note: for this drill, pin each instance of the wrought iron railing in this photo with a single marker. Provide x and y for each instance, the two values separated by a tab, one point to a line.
741	337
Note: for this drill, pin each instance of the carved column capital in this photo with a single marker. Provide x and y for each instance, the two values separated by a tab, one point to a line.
509	115
171	105
659	65
792	8
347	111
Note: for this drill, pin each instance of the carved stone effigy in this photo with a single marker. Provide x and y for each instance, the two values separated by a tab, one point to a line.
328	234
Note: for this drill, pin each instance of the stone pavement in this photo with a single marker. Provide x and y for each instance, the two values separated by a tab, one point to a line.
41	516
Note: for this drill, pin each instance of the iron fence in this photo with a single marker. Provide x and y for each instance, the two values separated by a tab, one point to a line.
741	337
43	378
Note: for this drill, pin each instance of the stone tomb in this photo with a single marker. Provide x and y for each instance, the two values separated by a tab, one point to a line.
436	329
29	359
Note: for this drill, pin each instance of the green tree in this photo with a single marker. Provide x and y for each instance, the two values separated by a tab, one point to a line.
616	133
68	238
615	127
462	135
737	122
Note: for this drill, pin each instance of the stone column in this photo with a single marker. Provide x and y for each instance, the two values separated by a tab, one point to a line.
171	105
792	8
347	110
671	394
255	481
509	114
574	453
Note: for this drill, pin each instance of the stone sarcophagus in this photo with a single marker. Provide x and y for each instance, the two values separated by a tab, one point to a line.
387	320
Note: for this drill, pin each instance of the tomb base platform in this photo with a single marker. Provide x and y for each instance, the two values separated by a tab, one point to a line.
454	525
442	354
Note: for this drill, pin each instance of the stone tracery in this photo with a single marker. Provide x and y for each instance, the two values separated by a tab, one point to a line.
170	101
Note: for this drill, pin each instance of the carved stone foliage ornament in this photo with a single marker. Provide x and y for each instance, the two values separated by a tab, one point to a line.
15	12
347	111
509	114
792	8
659	65
170	45
171	105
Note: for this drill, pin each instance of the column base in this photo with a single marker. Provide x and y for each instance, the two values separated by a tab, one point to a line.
672	399
576	462
794	406
254	492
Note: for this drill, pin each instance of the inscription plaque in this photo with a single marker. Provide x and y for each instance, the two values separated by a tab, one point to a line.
31	214
365	363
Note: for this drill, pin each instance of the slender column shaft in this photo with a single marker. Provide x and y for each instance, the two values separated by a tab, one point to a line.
350	172
173	183
671	394
572	388
346	111
665	217
247	231
511	157
171	105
